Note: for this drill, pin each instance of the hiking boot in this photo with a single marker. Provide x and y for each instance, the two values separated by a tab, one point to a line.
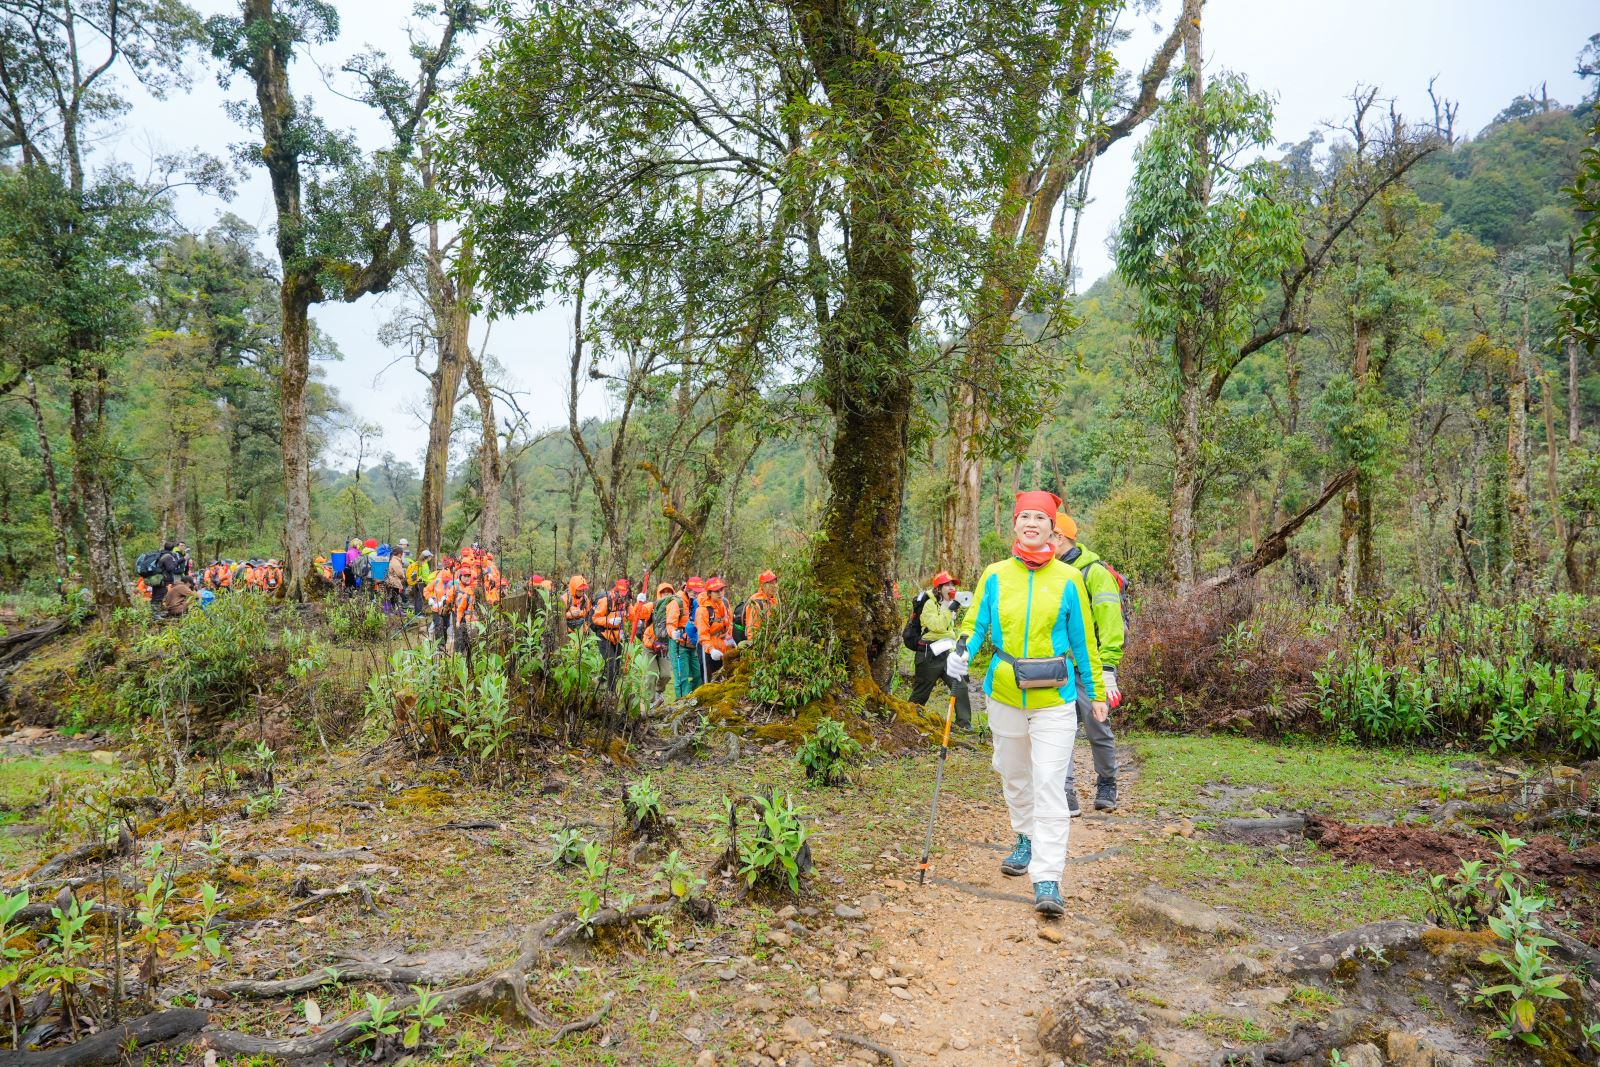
1073	808
1047	898
1105	795
1017	863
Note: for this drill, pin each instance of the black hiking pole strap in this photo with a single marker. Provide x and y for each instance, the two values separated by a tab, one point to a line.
938	783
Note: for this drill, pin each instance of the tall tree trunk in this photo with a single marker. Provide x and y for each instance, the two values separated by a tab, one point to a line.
292	379
87	429
445	385
1186	473
1572	391
489	470
1018	234
1518	511
179	487
1552	481
58	520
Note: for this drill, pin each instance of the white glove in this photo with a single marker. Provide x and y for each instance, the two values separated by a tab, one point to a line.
955	666
716	654
1108	681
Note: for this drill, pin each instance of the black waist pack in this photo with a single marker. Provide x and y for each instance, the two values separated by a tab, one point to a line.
1037	672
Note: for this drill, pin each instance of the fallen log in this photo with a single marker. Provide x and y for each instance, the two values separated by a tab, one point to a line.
108	1045
90	853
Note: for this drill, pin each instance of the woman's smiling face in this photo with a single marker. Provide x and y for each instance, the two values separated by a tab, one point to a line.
1033	528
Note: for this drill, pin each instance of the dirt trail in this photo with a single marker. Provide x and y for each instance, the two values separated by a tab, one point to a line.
963	965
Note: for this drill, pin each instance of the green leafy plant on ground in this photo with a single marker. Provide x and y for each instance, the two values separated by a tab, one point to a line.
774	851
829	753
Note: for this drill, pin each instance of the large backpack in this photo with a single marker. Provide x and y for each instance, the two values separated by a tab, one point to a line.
911	636
1122	591
147	566
658	617
738	621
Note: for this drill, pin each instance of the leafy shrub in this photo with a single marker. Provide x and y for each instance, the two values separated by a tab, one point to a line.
828	753
357	621
578	667
207	662
775	851
643	801
795	657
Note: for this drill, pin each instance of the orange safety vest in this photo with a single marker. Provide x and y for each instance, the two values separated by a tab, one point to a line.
225	578
756	611
715	623
271	578
466	604
579	611
439	591
678	618
604	610
640	624
491	583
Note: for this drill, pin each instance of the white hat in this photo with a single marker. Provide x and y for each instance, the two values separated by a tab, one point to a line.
404	543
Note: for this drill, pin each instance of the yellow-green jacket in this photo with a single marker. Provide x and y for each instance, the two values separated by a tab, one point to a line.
938	621
1105	604
1029	614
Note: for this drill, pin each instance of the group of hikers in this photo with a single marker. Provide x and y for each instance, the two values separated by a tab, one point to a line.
1051	612
687	628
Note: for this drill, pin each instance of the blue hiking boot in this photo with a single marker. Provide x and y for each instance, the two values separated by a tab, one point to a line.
1047	898
1017	863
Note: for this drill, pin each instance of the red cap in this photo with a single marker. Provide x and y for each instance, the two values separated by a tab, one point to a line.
622	585
767	576
695	584
715	585
537	579
1037	500
942	578
372	542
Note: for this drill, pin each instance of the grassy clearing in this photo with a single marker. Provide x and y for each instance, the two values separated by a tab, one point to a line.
27	780
1300	888
1244	775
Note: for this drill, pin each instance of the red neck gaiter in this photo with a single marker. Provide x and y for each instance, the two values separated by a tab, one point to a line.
1033	558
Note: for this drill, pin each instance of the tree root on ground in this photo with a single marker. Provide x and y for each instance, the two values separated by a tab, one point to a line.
872	1046
505	992
581	1025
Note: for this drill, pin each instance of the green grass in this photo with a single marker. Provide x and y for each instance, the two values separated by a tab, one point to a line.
24	781
1339	780
1301	889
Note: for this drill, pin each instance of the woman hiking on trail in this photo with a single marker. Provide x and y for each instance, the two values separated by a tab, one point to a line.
1034	609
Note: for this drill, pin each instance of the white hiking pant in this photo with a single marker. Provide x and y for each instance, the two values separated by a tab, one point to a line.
1032	754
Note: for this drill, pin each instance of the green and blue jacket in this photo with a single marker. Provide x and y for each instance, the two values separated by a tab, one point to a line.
1031	614
1105	604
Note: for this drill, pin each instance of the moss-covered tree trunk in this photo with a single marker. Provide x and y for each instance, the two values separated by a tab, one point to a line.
866	343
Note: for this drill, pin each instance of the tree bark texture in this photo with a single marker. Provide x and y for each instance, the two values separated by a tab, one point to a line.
1572	391
489	462
444	387
58	519
1518	509
89	462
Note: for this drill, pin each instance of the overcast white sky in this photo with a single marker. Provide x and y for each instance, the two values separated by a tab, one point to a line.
1309	55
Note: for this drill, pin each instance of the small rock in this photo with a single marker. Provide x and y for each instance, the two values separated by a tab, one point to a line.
898	981
707	1058
794	929
886	1020
1267	996
779	938
901	992
728	974
845	911
787	912
694	1037
877	973
871	902
798	1028
959	1043
1051	934
1407	1050
802	1059
1154	904
1236	967
1362	1055
833	992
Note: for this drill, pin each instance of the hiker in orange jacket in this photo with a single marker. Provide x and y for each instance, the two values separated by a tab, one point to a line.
659	644
714	621
687	672
611	614
579	607
464	605
760	606
440	596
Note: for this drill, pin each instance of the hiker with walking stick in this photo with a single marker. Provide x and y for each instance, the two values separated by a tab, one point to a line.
1034	610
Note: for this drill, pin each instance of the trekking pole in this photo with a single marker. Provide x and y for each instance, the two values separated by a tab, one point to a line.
938	783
